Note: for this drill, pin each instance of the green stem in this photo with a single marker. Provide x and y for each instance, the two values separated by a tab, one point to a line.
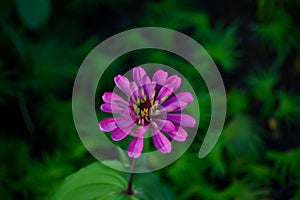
129	189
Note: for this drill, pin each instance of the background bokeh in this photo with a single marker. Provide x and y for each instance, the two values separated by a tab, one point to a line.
255	44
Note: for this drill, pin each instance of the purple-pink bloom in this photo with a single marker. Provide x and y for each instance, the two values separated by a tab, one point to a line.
151	104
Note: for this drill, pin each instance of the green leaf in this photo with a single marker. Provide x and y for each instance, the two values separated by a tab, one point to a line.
93	181
242	138
33	13
262	83
44	175
238	101
297	192
286	164
97	181
53	66
276	31
222	46
289	107
239	189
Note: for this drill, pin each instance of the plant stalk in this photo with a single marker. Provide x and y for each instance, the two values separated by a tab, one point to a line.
129	189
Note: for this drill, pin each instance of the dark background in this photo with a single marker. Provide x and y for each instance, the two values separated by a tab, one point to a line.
255	44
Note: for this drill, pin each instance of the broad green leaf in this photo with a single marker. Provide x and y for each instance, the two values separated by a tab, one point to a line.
33	13
97	181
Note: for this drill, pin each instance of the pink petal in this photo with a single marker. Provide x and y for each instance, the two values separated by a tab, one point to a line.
128	113
150	90
118	134
134	91
182	119
160	77
138	74
176	106
110	108
124	122
182	96
140	131
164	92
123	84
161	142
136	147
175	81
112	98
164	125
145	80
179	134
107	125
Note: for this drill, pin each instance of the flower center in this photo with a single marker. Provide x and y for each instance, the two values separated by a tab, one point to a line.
142	109
145	114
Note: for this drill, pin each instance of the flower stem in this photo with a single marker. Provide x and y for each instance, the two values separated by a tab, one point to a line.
129	189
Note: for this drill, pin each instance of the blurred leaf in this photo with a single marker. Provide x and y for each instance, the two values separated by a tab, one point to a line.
176	170
55	115
54	64
258	173
222	44
286	164
33	13
98	181
150	187
179	17
297	192
241	190
43	176
13	163
262	83
289	107
276	31
242	138
217	162
14	38
238	101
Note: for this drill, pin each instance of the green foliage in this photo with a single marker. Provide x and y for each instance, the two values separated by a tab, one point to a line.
286	164
262	84
221	44
242	137
219	41
276	31
33	13
97	181
289	107
241	190
238	102
43	176
255	44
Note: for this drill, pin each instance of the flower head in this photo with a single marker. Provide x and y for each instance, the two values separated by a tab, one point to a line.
151	104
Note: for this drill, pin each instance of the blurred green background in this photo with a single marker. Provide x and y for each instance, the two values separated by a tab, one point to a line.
255	43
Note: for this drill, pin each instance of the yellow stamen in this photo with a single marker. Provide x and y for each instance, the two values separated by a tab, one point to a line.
145	113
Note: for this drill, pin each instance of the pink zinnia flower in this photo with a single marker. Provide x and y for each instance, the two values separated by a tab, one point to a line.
151	104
